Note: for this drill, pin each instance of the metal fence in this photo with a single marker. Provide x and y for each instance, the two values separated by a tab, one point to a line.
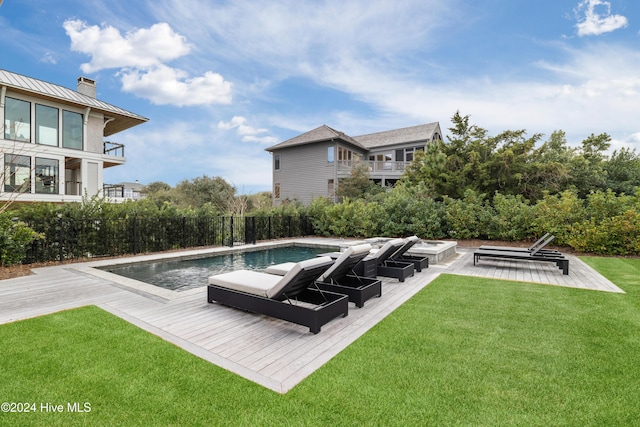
68	238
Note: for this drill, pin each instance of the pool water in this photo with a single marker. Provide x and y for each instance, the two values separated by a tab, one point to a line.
184	274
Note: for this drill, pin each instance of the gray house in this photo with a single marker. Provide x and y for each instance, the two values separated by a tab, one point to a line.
312	164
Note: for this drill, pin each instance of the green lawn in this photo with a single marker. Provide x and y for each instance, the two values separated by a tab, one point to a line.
463	351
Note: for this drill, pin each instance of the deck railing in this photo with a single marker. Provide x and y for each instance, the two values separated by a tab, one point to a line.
373	166
68	239
113	149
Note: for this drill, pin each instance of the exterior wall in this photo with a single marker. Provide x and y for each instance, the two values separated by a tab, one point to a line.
85	166
95	127
304	172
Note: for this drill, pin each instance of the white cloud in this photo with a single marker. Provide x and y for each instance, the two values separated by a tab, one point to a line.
248	133
165	85
49	58
283	34
141	56
145	47
594	23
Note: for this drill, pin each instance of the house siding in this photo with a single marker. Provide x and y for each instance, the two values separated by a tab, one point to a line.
79	171
94	142
304	172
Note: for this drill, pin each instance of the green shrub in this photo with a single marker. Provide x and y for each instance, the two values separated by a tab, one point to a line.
14	238
513	218
618	235
468	218
558	214
407	213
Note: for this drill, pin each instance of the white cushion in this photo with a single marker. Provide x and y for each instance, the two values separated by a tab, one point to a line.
263	284
280	269
391	243
252	282
344	256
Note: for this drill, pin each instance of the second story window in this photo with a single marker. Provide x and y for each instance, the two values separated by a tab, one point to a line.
276	162
17	120
46	125
71	130
330	154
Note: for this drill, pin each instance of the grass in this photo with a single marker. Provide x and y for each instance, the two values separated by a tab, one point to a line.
463	351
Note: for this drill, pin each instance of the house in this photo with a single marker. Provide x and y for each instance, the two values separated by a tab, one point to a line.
53	139
312	164
124	191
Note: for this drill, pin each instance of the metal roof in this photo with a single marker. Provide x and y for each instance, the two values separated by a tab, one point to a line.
123	119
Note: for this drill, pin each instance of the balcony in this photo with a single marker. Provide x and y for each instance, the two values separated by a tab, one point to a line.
114	153
113	149
377	169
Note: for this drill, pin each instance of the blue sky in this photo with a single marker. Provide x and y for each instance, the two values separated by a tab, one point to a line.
222	80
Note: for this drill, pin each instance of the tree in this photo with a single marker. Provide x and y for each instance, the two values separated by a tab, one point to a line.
587	170
358	185
623	171
199	191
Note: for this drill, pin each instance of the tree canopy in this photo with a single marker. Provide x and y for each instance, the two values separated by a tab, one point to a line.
513	163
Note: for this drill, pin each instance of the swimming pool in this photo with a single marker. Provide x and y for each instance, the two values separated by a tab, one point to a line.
185	274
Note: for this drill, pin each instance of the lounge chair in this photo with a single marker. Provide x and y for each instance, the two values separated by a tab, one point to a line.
285	297
537	247
537	255
340	277
419	262
387	267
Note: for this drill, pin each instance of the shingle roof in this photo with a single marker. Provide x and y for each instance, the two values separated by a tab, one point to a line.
398	136
319	134
123	119
366	142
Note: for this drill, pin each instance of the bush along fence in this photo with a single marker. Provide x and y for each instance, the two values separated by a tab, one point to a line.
67	239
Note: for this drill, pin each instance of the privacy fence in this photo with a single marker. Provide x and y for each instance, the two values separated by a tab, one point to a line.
68	239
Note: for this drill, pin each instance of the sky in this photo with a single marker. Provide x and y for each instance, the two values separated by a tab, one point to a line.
221	80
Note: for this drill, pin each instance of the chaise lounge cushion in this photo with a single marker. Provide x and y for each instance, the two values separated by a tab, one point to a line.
285	267
280	269
264	284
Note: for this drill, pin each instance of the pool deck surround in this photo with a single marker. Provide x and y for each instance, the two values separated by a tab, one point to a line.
273	353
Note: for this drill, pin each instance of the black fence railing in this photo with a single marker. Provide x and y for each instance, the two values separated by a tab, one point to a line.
68	239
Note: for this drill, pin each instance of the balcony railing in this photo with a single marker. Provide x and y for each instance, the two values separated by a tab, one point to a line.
113	149
374	166
113	190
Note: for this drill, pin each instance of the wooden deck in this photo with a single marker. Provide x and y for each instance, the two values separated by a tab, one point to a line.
270	352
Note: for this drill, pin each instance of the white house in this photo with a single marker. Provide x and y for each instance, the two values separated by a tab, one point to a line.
53	139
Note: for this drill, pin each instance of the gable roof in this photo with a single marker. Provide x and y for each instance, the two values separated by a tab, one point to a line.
122	119
319	134
370	141
398	136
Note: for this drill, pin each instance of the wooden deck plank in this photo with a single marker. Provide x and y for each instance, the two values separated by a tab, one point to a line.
271	352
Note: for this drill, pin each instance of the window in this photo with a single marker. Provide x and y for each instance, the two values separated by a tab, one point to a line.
276	191
17	120
408	154
276	162
331	188
17	173
46	125
71	130
46	176
330	154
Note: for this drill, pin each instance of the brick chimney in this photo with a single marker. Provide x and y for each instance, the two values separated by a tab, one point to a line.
86	86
